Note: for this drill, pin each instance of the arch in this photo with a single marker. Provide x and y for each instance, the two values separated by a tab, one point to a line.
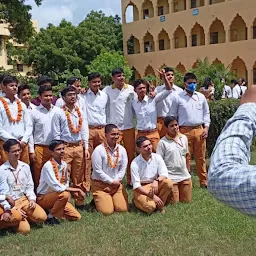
147	9
181	68
178	5
195	65
163	66
238	29
135	74
197	35
254	73
216	62
217	32
131	13
163	40
149	44
180	38
149	71
239	68
216	1
162	7
133	45
254	29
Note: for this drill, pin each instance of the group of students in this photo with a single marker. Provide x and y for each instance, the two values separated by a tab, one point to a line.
53	150
236	90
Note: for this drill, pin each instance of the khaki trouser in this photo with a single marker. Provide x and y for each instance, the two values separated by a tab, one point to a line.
74	157
145	203
59	206
153	136
197	148
24	154
96	137
108	202
13	222
42	156
160	127
181	192
37	215
128	139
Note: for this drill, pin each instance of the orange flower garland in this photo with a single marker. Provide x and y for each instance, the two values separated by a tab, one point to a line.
112	166
8	112
55	169
80	122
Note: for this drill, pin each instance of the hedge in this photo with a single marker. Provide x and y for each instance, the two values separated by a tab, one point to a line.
221	111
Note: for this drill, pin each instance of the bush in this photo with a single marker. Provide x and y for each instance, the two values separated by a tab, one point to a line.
221	111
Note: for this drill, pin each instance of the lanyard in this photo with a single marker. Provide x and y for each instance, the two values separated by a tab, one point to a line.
16	177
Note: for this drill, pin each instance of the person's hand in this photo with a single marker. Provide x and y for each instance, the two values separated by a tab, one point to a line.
154	187
32	157
23	144
6	216
32	205
81	193
249	96
87	154
161	72
158	201
10	201
116	183
83	91
204	134
152	94
23	213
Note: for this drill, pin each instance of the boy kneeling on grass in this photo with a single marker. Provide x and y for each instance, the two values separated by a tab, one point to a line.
53	190
173	148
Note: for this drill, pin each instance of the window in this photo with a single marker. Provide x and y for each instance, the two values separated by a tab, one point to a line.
214	38
146	14
161	45
254	76
193	4
176	6
20	67
176	42
254	32
147	46
160	10
211	1
194	40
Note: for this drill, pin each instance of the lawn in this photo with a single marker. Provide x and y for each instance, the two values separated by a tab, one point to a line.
204	227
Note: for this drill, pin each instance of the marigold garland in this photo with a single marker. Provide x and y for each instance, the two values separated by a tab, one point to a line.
112	166
8	112
70	124
56	172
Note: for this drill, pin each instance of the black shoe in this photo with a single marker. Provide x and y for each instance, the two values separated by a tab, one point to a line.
52	221
81	207
203	186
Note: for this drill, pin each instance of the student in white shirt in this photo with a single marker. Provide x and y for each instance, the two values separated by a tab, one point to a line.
42	117
151	186
20	187
53	190
15	121
164	106
173	148
24	95
70	125
109	162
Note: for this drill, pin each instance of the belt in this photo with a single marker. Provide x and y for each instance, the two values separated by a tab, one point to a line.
147	131
97	127
192	127
40	145
76	144
145	183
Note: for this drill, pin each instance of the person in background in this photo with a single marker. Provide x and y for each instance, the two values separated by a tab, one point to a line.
239	88
2	76
173	148
44	80
227	91
24	95
208	89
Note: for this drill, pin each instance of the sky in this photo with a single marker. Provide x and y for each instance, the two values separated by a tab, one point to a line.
53	11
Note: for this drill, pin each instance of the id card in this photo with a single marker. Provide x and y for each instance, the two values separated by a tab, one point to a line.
16	187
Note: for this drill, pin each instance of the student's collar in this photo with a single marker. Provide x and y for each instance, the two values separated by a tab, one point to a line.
145	99
43	107
58	165
112	150
90	91
114	86
9	167
168	137
146	161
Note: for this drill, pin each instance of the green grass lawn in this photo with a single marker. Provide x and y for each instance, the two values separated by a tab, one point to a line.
203	227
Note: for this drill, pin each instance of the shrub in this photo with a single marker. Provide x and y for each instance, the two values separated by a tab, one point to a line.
221	111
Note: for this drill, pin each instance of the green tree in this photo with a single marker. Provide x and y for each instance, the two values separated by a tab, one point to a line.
17	14
106	62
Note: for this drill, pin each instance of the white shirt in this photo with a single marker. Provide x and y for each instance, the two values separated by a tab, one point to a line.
2	197
119	107
19	181
48	182
31	106
227	92
79	102
61	130
3	190
145	110
21	130
143	171
163	107
96	107
101	169
174	155
191	111
238	91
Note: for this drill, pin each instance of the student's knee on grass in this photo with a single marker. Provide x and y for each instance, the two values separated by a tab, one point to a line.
168	183
24	227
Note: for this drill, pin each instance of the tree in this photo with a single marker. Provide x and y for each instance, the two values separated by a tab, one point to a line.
16	14
106	62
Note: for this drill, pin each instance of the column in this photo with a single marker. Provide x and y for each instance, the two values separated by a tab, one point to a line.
188	4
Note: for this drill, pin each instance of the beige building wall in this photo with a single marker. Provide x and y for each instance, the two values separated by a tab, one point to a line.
222	30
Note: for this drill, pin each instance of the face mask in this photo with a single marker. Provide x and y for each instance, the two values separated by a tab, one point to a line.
191	87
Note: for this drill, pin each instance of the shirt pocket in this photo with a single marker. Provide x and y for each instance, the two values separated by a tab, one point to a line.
199	105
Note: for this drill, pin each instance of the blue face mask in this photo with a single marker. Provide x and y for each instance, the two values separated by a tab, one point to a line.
191	87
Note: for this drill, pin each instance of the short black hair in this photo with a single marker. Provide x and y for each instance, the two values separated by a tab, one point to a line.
168	69
9	79
110	127
54	143
140	140
137	82
67	89
117	71
189	76
93	75
9	143
23	87
44	79
44	88
233	81
207	82
72	80
169	119
2	76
